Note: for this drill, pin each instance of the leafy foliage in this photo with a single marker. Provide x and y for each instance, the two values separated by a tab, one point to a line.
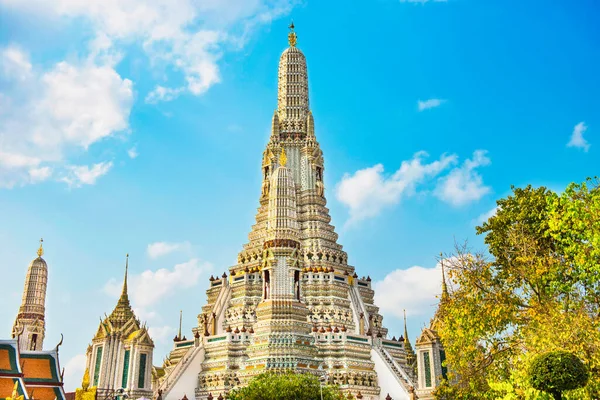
557	371
537	290
284	386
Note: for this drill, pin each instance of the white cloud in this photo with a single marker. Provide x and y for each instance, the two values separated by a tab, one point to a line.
577	139
487	215
150	287
431	103
159	249
414	289
464	184
15	63
368	191
74	369
188	35
143	314
79	175
88	103
50	116
132	152
161	334
161	93
39	174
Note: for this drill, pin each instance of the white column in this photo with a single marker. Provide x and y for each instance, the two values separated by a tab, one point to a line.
132	355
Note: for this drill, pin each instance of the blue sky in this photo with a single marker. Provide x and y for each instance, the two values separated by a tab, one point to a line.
138	127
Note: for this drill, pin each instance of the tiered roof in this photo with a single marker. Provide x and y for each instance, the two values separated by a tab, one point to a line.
122	319
33	374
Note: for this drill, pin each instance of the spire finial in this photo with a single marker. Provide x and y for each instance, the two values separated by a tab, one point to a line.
180	314
124	293
444	286
405	329
282	158
40	251
292	38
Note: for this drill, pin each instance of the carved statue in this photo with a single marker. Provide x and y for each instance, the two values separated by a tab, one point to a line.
265	187
320	188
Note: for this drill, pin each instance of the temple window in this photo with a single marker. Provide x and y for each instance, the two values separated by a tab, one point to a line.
97	365
125	369
427	367
142	371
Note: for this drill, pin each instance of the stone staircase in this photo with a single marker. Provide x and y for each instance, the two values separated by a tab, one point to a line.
174	373
397	370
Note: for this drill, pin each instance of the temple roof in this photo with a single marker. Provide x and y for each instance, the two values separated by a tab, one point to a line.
123	319
36	373
123	311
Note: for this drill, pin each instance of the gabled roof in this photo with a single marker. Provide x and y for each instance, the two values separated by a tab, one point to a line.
9	357
41	366
10	370
123	320
428	336
37	373
41	370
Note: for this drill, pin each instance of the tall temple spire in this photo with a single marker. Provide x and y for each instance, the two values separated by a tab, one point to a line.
180	317
30	322
406	333
292	104
122	312
444	286
124	291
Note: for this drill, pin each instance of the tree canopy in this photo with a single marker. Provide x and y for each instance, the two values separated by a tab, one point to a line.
556	372
537	289
284	386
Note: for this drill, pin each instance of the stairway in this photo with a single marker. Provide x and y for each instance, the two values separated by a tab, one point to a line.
358	307
171	378
397	370
220	306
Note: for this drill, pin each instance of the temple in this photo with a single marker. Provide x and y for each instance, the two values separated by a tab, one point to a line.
27	371
119	359
30	323
292	301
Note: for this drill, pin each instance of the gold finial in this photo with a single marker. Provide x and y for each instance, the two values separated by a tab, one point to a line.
85	382
40	251
282	158
292	38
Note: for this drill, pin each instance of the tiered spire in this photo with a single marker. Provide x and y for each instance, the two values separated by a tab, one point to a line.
444	286
292	104
30	325
123	311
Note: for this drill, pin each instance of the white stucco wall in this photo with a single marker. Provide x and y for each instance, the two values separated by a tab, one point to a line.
387	380
188	380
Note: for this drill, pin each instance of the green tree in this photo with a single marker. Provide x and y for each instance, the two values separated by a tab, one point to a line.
556	372
536	290
284	386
